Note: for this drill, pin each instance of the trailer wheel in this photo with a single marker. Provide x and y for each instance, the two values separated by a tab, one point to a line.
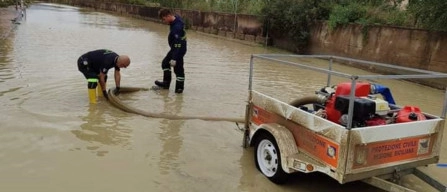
268	159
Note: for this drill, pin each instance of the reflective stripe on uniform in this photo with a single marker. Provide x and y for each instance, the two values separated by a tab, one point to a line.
92	80
180	79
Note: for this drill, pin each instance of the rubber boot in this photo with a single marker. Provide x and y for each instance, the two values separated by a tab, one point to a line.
179	86
92	84
99	91
92	95
166	80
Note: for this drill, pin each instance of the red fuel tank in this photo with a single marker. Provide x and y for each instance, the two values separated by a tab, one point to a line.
362	89
408	114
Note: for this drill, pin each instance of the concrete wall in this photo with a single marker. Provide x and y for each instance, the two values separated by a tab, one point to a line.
240	26
401	46
406	47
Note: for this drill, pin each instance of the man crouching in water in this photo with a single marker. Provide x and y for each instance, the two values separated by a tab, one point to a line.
95	65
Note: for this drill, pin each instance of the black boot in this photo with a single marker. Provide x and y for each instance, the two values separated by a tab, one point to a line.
161	84
179	86
166	80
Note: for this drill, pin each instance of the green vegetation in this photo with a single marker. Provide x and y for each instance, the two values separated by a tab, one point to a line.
429	14
291	19
6	3
378	12
295	16
132	2
288	19
424	14
240	6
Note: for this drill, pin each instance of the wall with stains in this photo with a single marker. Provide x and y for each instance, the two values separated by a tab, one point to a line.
400	46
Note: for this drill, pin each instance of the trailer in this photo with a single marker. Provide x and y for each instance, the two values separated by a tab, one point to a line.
350	131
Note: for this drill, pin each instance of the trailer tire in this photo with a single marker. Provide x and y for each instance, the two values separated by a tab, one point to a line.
268	159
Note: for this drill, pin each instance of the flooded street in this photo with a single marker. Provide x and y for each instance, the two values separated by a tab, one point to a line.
52	139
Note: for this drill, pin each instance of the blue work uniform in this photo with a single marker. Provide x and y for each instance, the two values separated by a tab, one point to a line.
94	62
177	44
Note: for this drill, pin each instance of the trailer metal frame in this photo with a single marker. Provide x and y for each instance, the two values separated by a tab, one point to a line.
286	124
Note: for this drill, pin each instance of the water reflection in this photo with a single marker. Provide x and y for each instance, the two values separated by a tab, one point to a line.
101	129
9	90
43	95
6	68
170	136
248	169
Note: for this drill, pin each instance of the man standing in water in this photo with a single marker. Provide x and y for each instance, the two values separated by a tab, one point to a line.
95	65
174	58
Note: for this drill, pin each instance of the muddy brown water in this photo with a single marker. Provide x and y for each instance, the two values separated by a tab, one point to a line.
52	139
